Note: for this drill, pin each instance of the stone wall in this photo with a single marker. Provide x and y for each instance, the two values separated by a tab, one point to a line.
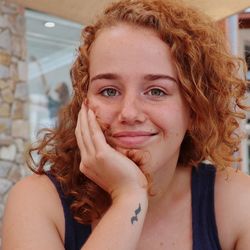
14	125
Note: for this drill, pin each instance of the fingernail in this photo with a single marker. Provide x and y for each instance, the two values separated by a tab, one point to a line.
86	102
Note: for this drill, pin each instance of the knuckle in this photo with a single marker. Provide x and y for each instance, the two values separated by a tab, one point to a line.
76	132
100	156
83	168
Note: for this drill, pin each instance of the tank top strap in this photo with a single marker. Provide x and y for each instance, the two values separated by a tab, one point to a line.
205	234
75	233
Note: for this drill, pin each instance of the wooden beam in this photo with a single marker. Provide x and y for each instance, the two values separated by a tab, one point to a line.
83	11
244	21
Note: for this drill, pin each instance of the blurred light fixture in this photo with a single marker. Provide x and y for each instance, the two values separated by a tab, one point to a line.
49	24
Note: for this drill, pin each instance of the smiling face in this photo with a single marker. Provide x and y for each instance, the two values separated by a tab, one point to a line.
134	90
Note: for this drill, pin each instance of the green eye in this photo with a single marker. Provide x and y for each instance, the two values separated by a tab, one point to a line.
109	92
156	92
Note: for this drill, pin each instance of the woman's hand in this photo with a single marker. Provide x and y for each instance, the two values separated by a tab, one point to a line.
101	163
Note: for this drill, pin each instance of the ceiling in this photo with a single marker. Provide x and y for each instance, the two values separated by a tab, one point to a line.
50	48
83	11
56	47
64	35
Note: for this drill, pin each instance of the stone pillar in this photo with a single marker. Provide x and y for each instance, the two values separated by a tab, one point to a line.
14	125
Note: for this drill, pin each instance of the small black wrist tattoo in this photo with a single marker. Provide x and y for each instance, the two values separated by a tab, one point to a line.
135	218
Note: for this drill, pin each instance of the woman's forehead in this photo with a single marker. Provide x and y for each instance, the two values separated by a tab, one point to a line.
131	48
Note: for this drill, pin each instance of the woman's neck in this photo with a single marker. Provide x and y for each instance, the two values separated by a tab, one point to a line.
169	187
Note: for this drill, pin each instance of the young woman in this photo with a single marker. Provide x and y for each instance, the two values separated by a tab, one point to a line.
156	93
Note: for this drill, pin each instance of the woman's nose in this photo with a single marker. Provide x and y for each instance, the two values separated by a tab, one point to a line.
131	111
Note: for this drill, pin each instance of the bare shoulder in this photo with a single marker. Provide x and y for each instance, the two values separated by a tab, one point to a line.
232	206
33	208
35	191
40	182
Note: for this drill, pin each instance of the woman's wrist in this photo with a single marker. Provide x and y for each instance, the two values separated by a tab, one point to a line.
130	193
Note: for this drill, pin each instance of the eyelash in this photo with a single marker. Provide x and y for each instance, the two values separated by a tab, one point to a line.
163	93
105	90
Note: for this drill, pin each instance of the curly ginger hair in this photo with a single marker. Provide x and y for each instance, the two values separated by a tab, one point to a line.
209	79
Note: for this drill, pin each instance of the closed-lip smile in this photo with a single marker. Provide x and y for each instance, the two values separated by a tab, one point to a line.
132	138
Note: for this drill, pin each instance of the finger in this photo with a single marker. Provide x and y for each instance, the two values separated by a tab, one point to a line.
85	131
98	137
79	138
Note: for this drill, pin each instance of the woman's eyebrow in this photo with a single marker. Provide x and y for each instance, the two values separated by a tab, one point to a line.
153	77
148	77
106	76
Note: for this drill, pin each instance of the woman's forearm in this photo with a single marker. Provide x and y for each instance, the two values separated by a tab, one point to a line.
121	226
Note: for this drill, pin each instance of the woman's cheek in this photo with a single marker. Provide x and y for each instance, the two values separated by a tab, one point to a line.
104	113
93	104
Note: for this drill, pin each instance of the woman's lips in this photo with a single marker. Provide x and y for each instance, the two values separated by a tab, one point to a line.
130	139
